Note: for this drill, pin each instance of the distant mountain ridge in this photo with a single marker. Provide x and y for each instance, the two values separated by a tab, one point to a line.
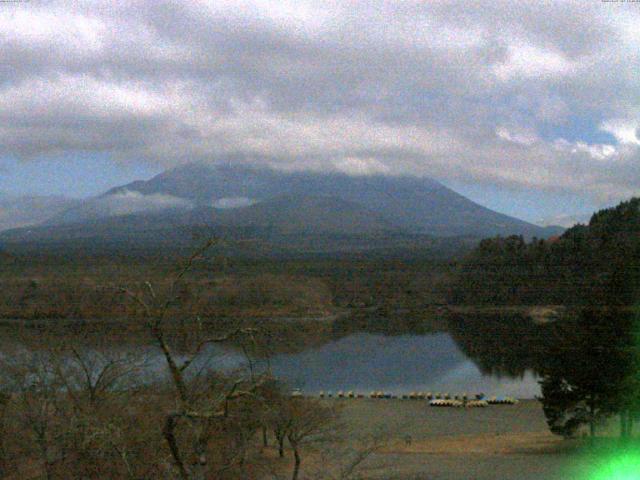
287	214
419	205
277	205
24	210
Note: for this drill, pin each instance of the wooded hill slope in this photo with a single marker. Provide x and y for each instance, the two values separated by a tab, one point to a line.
594	264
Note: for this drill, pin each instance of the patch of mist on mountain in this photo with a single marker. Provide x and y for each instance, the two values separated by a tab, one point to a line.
122	202
232	202
285	215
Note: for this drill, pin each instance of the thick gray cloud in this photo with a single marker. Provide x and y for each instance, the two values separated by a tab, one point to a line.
481	91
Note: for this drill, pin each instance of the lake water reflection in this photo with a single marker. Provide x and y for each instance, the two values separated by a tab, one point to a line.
490	354
399	364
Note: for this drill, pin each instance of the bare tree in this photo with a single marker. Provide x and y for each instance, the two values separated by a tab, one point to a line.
312	428
300	421
99	382
197	408
309	421
33	383
93	375
5	399
344	459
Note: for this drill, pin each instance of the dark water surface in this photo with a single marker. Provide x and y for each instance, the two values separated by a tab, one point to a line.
399	364
492	354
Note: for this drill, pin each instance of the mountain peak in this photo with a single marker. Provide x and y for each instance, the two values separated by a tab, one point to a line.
413	204
246	197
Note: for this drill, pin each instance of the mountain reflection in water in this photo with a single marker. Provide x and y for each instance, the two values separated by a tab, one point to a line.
496	354
492	354
399	364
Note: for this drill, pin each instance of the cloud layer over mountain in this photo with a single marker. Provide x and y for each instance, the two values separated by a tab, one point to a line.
123	202
540	95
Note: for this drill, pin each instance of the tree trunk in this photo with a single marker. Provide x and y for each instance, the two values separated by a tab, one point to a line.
176	373
281	447
45	454
265	440
169	435
3	454
592	419
48	465
624	424
296	465
199	467
48	471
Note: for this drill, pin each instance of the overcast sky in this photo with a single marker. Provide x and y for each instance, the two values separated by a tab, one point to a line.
529	107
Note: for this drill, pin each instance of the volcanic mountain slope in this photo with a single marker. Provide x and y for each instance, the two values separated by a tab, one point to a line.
21	211
274	204
418	205
284	214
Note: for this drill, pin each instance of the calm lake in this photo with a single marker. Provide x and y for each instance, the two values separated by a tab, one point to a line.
465	360
399	364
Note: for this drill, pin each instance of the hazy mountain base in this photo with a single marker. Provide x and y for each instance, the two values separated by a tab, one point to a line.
136	236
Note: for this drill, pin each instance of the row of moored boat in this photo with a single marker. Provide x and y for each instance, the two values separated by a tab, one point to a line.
435	400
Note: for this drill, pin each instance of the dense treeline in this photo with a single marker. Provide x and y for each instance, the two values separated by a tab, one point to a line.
591	371
587	360
589	357
598	263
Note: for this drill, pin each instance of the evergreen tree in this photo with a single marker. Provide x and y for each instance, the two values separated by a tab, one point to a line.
590	370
